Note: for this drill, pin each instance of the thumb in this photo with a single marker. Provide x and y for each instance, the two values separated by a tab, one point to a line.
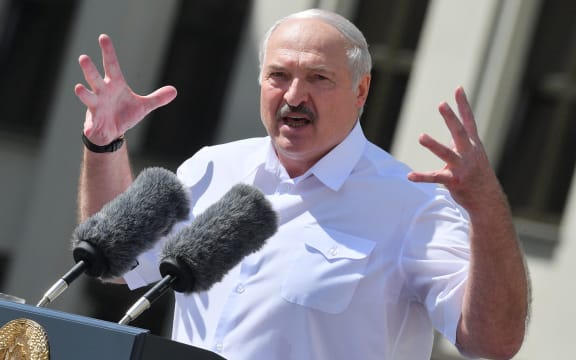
160	97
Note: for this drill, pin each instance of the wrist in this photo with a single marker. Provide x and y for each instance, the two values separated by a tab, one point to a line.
100	149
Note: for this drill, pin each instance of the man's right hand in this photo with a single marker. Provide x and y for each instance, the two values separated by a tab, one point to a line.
113	108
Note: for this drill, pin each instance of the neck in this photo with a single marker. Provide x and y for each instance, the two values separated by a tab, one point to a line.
295	168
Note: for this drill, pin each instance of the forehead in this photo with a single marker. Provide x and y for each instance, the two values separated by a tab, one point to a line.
307	39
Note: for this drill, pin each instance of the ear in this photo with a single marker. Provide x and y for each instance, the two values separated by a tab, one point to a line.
362	90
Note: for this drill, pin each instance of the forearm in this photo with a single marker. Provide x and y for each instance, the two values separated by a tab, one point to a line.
102	178
496	302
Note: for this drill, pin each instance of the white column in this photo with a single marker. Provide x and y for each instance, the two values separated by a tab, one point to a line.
497	85
346	8
451	52
551	329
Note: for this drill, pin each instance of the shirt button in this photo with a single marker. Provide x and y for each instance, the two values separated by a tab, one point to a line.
333	251
240	289
219	347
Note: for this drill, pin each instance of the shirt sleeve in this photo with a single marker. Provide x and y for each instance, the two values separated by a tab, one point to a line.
435	261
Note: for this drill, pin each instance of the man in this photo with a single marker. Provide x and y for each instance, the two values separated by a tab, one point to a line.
369	257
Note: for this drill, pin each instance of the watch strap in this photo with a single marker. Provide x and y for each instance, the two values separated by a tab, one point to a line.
100	149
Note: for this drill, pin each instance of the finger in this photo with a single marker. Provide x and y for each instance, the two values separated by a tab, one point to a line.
457	130
466	113
88	124
160	97
91	73
109	58
440	150
87	97
437	177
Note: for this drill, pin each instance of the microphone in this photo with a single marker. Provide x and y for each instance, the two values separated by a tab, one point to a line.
200	254
107	244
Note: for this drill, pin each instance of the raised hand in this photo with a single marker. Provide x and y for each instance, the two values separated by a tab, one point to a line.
467	173
498	285
113	108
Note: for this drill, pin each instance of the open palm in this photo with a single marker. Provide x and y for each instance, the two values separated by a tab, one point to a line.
467	173
112	107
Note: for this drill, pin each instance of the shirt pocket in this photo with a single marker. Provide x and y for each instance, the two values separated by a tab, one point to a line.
326	272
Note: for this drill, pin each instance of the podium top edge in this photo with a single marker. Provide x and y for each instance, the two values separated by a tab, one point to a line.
25	310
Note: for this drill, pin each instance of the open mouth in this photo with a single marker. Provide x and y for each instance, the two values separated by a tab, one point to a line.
295	116
295	121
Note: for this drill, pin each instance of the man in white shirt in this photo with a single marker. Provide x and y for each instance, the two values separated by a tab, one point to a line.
369	257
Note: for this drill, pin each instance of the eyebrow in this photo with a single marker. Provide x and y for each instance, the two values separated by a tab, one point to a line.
319	68
274	68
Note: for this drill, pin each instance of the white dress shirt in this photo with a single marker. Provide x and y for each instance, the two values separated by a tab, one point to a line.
364	264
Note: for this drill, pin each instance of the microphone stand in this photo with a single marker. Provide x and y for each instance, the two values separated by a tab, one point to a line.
147	299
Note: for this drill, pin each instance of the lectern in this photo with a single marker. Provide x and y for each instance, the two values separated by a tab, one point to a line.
74	337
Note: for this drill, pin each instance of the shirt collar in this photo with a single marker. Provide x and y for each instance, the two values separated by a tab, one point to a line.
334	168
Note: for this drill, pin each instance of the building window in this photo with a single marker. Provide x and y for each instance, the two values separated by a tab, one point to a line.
32	36
538	162
392	29
199	63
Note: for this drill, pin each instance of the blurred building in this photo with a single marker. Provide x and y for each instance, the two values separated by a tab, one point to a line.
516	58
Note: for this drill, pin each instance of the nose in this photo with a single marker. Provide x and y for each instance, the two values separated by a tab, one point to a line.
297	93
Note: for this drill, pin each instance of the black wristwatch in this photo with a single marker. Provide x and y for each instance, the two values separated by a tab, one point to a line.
113	146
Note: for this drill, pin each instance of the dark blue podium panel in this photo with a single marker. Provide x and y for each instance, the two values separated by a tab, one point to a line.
79	337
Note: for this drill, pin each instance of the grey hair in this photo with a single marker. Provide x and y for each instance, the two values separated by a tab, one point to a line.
359	58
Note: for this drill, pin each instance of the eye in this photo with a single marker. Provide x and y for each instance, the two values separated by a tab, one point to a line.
321	80
278	75
319	77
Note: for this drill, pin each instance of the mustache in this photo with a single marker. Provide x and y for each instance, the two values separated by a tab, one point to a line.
301	109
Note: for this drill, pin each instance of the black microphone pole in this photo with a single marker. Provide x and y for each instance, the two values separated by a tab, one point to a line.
88	259
147	299
177	276
62	284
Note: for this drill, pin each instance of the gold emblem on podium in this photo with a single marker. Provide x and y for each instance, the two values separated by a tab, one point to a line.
23	339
